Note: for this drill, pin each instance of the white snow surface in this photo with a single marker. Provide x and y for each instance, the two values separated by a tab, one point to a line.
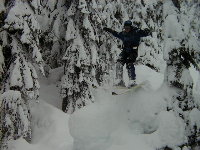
134	121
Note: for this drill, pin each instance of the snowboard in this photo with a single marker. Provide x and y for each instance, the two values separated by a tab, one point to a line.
127	90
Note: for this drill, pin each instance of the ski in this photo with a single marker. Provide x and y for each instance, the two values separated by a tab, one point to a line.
127	90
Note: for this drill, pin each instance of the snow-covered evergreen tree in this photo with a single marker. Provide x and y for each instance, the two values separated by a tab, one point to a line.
22	78
52	17
23	31
22	23
69	33
90	56
22	51
180	44
147	14
150	49
1	64
114	15
79	61
21	75
96	8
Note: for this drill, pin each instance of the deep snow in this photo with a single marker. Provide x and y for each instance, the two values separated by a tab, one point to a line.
134	121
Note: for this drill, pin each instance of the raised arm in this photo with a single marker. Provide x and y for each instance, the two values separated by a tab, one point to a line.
143	33
114	33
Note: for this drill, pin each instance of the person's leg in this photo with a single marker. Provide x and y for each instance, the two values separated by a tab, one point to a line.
131	71
131	74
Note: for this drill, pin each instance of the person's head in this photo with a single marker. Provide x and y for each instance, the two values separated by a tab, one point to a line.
127	26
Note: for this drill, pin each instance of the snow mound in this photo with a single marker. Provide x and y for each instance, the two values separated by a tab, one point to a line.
117	122
170	131
50	130
134	121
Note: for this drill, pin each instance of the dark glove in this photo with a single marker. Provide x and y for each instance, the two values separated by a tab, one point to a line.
107	29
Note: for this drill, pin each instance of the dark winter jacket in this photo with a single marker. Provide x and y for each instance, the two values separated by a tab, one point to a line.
130	39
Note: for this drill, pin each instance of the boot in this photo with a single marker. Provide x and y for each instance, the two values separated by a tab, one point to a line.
132	83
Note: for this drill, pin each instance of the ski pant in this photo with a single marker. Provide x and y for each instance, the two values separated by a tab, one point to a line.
129	58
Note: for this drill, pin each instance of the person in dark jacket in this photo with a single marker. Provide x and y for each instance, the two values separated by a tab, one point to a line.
131	39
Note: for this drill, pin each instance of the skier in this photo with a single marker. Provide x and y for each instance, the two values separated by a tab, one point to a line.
131	39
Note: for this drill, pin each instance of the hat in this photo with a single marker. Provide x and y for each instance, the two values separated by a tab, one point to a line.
128	23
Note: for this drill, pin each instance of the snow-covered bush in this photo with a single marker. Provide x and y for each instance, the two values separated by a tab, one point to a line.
171	130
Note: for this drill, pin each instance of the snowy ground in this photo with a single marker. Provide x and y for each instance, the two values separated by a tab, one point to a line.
135	121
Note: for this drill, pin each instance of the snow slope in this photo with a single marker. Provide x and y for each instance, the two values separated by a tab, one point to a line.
135	121
50	130
50	124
